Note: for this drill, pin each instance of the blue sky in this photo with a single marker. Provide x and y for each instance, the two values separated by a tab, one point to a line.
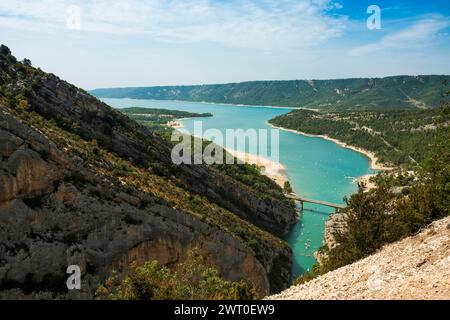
162	42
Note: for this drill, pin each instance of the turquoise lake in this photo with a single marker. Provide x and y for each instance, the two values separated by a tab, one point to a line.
316	168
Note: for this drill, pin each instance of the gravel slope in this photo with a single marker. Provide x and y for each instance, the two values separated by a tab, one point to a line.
417	267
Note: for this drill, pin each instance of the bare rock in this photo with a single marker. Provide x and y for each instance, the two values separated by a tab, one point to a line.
417	267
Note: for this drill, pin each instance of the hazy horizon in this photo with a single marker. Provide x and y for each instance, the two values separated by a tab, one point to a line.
164	43
265	80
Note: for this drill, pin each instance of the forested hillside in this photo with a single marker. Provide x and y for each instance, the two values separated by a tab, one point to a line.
402	203
396	137
157	119
404	92
404	200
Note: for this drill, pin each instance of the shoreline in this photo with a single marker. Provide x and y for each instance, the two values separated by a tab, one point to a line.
365	179
217	103
271	169
374	162
243	105
177	122
277	172
174	124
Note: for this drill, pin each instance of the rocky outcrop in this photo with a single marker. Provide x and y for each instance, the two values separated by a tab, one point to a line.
76	111
36	258
417	267
31	163
334	223
50	219
57	209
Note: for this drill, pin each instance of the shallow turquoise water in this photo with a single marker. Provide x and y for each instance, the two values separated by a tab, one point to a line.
316	168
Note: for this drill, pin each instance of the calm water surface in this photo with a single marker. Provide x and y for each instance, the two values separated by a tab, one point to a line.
316	168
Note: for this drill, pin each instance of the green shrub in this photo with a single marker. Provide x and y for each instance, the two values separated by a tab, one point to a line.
287	187
189	280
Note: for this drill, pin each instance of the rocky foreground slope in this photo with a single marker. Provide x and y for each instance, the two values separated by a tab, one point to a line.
82	184
417	267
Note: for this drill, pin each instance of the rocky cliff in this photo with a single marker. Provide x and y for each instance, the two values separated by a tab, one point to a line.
417	267
334	223
82	184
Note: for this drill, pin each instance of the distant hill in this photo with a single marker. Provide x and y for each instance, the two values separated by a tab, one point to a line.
395	136
158	119
398	92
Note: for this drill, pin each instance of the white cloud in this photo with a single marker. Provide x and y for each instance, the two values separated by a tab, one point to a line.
420	34
266	25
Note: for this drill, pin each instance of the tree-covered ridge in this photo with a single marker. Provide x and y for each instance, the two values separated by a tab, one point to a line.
402	204
157	119
396	137
148	112
398	92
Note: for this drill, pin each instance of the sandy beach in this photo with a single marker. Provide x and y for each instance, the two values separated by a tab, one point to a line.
374	162
369	185
175	124
277	171
274	170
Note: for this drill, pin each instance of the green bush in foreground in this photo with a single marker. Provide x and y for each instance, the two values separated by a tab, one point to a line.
189	280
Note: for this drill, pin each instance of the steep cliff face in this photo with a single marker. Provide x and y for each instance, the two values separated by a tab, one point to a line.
55	213
82	184
76	111
334	223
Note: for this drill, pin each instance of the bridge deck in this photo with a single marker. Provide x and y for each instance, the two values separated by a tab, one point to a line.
324	203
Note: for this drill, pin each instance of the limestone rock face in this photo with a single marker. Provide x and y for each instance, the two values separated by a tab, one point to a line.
32	175
57	210
60	101
47	223
335	222
9	143
30	167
